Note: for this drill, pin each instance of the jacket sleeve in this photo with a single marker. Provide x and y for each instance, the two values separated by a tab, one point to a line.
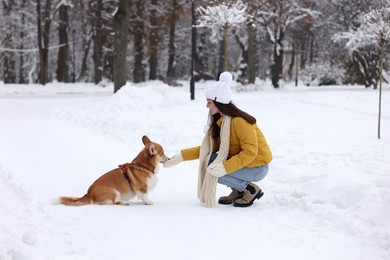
248	144
191	153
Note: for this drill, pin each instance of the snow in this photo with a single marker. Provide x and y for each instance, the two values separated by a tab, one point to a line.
327	195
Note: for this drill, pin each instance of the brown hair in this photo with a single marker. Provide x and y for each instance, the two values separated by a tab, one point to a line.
228	110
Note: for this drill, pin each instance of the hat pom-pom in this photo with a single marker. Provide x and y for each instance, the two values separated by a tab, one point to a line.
226	77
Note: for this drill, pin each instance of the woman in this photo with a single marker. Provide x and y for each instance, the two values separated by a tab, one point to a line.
234	150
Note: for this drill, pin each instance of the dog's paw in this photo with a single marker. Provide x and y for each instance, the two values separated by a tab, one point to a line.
148	202
123	203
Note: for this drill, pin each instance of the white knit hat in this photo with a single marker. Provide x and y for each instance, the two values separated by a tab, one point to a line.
221	91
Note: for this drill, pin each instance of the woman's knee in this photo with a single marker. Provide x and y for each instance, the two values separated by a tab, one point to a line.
262	173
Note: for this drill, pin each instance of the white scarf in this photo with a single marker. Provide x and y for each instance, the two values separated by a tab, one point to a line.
207	183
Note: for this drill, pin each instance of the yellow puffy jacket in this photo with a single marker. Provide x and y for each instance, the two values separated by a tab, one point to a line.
247	147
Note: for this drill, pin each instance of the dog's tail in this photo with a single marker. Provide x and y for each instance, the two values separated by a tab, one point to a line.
72	201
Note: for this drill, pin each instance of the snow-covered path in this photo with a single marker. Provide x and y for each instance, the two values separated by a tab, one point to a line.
327	195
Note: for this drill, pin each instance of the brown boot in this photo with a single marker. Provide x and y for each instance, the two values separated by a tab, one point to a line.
235	194
251	192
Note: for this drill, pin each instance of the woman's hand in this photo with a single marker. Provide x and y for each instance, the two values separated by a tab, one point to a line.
217	169
178	158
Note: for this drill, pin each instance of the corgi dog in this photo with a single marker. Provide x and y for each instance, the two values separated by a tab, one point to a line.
125	182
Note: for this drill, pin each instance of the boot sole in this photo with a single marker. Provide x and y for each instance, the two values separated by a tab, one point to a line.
258	196
228	202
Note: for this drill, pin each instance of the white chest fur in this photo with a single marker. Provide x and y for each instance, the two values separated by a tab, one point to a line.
152	181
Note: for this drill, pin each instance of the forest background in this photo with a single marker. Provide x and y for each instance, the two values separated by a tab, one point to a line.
318	42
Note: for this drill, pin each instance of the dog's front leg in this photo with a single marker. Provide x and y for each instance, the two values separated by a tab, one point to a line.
144	197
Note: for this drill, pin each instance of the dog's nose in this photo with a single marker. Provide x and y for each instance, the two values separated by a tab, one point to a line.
162	161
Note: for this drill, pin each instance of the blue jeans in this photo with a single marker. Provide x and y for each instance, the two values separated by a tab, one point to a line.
239	179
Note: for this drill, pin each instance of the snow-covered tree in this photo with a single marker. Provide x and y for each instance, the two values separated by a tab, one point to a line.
370	37
360	43
277	16
223	16
377	24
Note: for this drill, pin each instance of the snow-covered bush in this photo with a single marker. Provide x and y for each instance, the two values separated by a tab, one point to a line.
322	75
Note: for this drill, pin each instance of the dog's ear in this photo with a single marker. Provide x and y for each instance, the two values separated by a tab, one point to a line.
145	140
152	150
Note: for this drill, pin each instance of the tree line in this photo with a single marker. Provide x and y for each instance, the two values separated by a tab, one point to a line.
320	42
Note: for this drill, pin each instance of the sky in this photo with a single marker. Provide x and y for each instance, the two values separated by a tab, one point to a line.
327	194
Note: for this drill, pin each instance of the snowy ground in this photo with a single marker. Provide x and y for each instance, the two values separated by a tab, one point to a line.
327	195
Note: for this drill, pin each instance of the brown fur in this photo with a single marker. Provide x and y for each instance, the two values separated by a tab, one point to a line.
114	188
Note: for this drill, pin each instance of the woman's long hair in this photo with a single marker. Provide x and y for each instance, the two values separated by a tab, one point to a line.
228	110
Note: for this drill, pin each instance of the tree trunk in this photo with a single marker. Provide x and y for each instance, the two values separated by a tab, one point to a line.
9	73
251	54
43	40
153	41
121	21
171	52
139	70
63	52
292	62
21	46
98	42
193	49
221	60
225	48
39	36
171	74
277	65
201	58
9	68
83	69
303	53
242	77
46	40
311	55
